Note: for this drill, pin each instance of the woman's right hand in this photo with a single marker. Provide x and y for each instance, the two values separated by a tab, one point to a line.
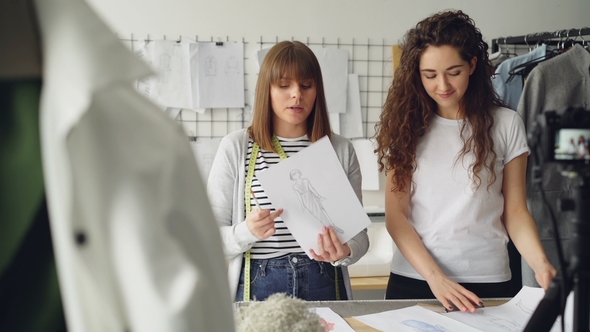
445	290
261	223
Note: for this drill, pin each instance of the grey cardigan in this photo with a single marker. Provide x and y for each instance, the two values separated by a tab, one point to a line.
225	188
552	85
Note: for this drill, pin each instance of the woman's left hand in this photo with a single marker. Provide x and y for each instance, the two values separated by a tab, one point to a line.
329	247
544	275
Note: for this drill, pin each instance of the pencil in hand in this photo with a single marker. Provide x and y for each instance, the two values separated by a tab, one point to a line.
255	200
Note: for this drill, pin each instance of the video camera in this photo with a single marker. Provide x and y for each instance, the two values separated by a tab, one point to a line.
565	135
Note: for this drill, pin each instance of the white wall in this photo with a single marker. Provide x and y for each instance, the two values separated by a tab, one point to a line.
381	21
375	19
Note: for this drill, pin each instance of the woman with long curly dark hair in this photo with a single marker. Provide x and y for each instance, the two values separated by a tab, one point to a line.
455	159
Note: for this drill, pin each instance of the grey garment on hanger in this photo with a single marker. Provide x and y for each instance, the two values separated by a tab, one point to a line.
563	81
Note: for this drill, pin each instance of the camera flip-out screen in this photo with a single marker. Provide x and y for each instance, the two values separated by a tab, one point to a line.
572	144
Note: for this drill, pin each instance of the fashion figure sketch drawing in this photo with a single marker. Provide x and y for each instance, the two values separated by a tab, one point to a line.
311	200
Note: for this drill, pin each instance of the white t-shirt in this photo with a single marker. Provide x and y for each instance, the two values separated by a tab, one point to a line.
461	227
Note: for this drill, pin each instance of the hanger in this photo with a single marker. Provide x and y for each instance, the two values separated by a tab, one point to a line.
507	50
584	43
525	68
527	43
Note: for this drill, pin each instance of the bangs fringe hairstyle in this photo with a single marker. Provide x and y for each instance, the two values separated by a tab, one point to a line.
408	108
293	60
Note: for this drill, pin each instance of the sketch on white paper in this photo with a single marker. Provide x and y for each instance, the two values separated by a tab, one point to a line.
311	200
220	81
319	164
420	326
331	321
512	315
171	87
174	85
413	319
144	84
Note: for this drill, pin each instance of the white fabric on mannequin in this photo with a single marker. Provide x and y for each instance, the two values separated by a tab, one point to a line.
136	244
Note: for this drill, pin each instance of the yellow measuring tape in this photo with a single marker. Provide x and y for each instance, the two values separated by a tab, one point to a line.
247	198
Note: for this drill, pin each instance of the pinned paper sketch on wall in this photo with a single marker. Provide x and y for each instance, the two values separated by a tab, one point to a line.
194	76
311	200
314	194
171	86
221	84
232	66
210	66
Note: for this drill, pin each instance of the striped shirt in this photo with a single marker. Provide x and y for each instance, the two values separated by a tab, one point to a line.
282	242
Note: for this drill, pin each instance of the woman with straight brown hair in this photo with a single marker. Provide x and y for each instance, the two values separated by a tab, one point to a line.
289	114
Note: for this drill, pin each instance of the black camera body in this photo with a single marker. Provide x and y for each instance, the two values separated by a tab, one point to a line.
565	135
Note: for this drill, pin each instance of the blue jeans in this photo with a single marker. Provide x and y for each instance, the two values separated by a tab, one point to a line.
295	275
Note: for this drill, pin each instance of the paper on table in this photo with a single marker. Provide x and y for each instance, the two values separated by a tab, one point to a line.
364	149
331	320
412	319
314	191
512	315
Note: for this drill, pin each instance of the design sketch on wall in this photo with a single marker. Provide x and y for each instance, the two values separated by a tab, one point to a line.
165	68
211	66
221	75
232	73
231	66
311	200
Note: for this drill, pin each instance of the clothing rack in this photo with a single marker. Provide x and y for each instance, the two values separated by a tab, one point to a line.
546	37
